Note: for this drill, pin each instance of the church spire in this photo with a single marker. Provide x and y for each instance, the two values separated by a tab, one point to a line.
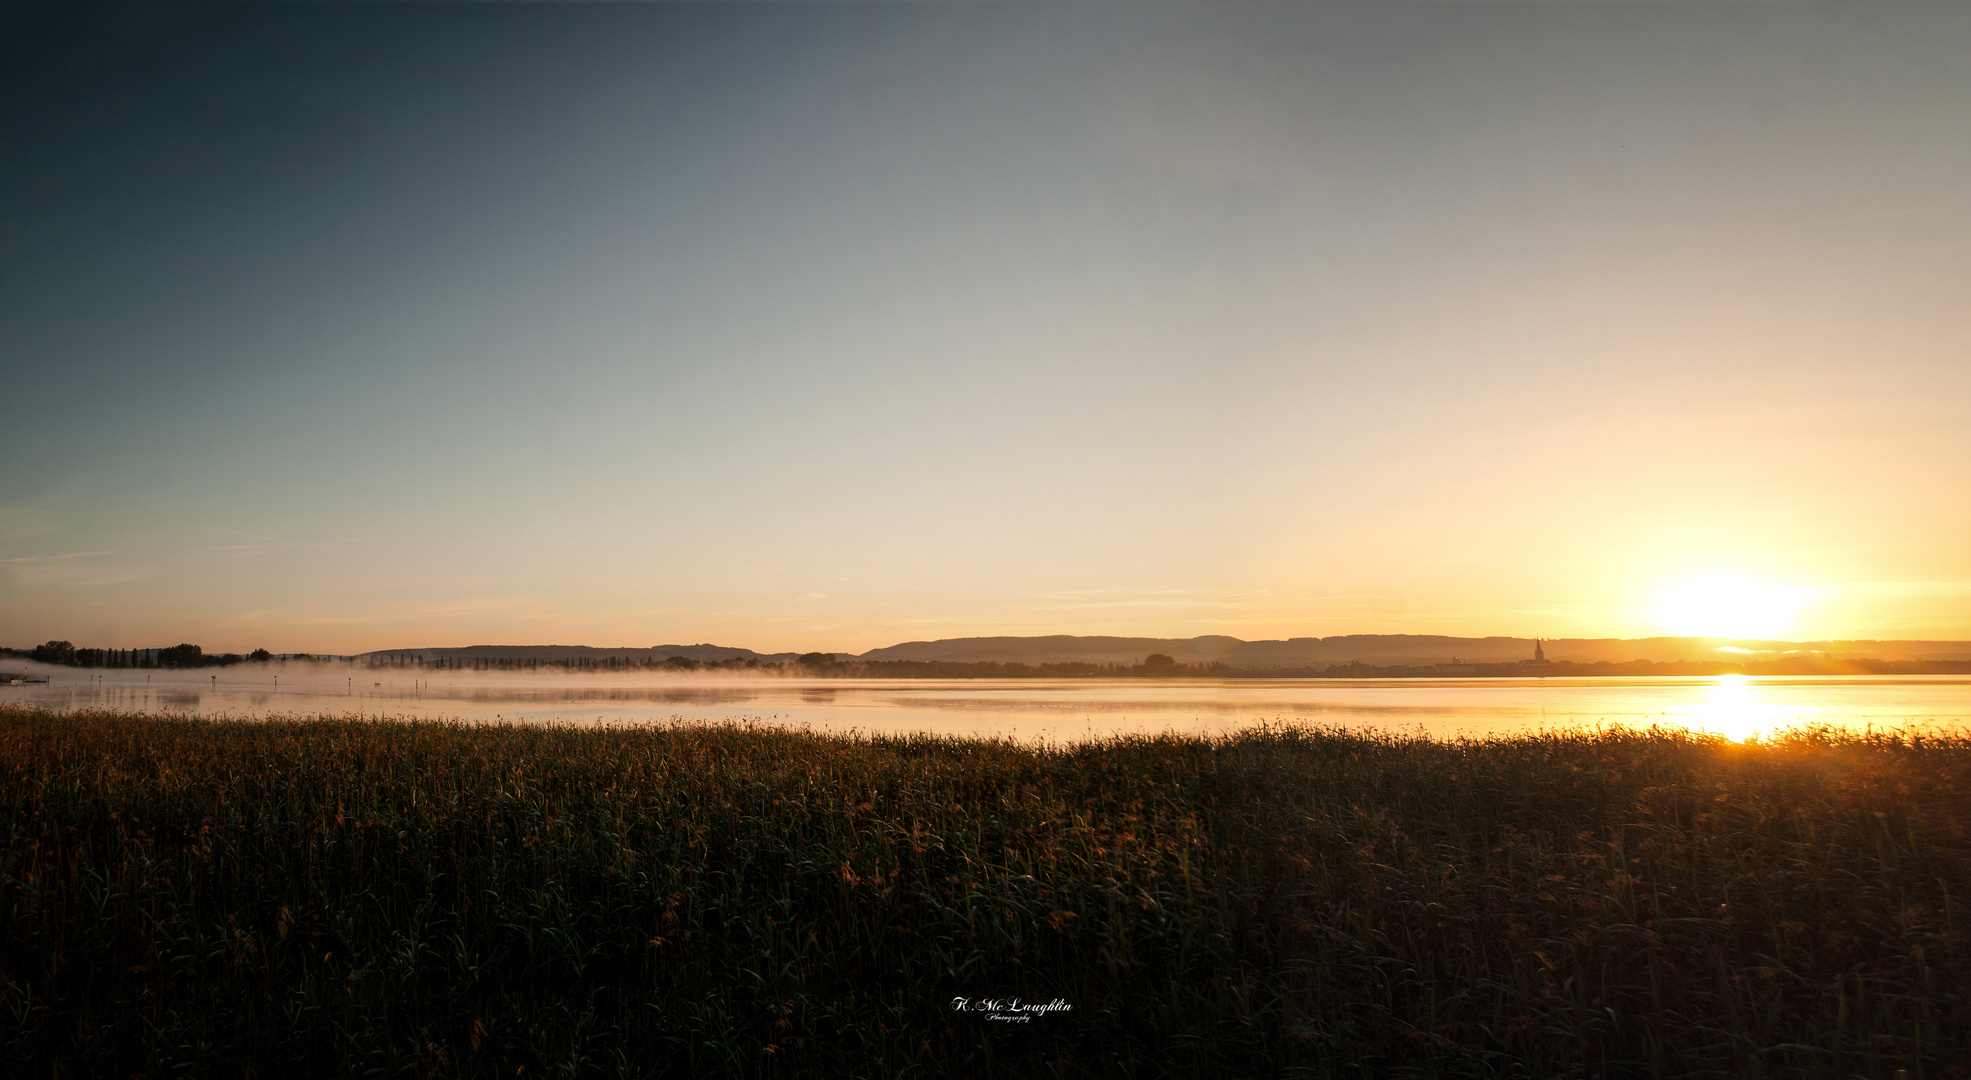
1539	651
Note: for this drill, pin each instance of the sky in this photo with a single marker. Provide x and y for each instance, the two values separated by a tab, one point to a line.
333	328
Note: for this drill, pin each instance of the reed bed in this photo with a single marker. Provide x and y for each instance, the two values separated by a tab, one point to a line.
216	898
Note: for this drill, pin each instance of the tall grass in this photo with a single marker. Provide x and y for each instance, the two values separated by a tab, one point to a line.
339	897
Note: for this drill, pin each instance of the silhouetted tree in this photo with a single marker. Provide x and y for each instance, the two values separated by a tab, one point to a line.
180	656
54	652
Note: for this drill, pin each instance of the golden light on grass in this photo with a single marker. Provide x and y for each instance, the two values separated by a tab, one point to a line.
1728	606
492	896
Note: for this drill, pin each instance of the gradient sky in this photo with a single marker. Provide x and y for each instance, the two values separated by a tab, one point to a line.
827	327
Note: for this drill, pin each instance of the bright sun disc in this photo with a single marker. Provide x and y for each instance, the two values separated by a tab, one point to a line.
1729	607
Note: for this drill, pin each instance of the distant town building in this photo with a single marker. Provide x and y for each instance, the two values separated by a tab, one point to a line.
1539	651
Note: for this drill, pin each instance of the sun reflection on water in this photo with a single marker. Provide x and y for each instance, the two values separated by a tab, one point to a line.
1730	707
1734	709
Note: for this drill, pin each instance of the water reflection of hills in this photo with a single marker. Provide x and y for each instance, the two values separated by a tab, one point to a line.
1066	708
571	695
1147	707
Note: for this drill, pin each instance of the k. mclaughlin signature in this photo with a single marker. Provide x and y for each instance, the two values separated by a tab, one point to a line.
1008	1010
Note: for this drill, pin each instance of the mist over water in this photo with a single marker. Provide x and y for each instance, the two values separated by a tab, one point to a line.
1053	709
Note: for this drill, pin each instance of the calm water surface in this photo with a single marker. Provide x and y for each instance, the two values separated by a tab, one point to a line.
1062	710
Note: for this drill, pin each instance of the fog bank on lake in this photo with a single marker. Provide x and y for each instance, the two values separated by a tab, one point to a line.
1026	709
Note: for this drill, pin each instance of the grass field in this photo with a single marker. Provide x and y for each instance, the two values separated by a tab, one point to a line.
184	897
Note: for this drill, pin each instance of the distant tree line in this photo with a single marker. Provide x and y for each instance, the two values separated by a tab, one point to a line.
177	656
1156	665
1801	665
420	662
814	663
1160	666
1163	666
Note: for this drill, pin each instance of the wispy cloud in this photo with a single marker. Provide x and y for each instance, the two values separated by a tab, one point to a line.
74	570
25	522
253	548
1904	588
1123	597
1083	605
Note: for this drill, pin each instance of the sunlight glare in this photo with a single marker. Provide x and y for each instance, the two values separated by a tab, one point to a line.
1729	607
1734	711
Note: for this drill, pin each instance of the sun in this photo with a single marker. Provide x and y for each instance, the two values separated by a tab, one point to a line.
1729	607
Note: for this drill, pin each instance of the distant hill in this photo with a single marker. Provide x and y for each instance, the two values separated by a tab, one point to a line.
704	654
1375	649
1393	649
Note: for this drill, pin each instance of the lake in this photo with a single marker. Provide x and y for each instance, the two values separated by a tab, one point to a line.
1025	709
